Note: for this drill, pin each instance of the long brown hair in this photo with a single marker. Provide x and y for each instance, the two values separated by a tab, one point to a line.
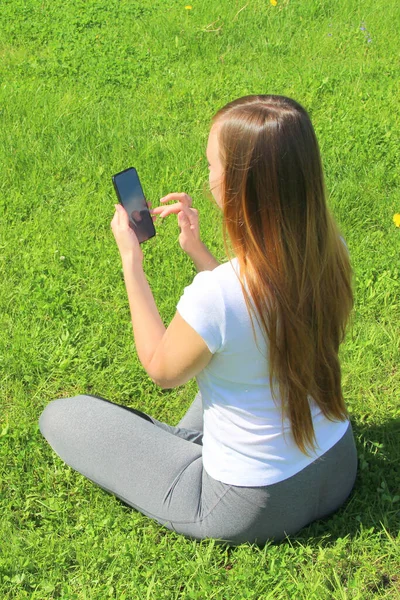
290	252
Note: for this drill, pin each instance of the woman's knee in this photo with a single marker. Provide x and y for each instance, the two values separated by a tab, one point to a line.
58	417
49	417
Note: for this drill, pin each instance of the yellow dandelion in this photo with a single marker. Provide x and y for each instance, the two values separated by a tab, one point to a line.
188	7
396	219
274	2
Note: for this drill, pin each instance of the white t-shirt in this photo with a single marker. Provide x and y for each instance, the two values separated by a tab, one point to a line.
244	443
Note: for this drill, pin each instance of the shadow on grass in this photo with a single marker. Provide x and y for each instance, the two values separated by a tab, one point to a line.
375	500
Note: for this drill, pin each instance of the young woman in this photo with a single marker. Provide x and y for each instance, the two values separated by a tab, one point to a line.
266	447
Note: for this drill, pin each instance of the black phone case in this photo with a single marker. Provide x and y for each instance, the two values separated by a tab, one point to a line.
144	227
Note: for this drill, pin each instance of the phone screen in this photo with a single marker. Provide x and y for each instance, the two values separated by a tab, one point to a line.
130	195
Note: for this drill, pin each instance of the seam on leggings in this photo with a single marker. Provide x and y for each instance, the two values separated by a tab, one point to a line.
215	505
174	484
167	497
204	516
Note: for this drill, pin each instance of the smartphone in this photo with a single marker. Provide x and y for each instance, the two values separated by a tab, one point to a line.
130	194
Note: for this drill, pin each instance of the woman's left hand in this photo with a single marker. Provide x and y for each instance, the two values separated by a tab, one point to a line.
126	238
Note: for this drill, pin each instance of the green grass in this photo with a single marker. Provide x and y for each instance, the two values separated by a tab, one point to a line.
87	89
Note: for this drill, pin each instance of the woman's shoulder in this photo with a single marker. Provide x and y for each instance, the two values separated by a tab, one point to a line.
226	275
229	268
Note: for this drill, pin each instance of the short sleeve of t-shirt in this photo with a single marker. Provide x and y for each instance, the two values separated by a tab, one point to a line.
201	306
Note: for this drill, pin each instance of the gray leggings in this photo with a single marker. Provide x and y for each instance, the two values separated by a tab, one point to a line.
158	470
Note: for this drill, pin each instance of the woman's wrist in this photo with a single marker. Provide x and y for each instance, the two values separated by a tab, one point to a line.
203	259
130	263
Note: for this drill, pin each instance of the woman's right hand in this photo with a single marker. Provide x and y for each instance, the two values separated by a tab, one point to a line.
188	220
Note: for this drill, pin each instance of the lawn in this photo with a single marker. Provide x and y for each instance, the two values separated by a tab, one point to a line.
88	88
